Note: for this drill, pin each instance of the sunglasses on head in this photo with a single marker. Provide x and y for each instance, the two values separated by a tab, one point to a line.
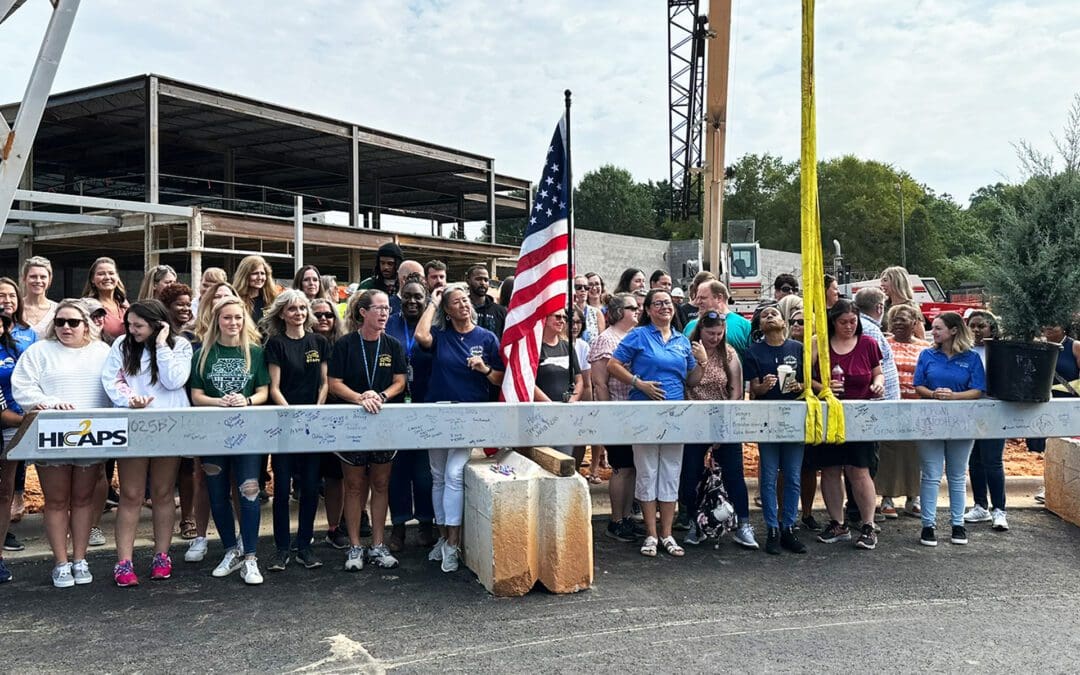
71	323
712	315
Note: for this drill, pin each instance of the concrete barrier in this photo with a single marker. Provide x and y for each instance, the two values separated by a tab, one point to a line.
1061	466
526	525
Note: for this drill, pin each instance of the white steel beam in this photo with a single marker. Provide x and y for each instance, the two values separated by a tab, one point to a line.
18	142
102	204
57	217
193	431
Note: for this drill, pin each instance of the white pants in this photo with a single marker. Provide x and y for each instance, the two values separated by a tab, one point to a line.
448	484
658	468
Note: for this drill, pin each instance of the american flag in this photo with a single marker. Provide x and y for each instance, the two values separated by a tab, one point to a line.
540	279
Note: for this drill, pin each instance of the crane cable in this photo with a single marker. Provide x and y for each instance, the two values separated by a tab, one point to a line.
813	263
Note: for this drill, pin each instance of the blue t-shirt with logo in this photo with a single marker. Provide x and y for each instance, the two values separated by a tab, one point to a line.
451	378
645	354
960	372
763	359
419	375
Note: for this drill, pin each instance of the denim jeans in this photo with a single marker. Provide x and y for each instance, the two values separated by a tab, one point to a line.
776	457
240	468
728	456
304	469
410	488
988	472
954	456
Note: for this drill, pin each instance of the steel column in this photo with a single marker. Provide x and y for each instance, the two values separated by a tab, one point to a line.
491	202
153	158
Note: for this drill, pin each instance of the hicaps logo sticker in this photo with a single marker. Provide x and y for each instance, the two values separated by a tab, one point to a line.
106	432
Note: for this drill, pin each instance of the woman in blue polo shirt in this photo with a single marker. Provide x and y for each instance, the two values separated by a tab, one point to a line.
466	364
949	371
658	363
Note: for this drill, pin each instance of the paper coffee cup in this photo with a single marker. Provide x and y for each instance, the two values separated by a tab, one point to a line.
786	376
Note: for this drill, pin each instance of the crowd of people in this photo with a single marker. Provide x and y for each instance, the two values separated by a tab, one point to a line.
407	335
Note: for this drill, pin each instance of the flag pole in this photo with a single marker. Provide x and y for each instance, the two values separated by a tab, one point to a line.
569	244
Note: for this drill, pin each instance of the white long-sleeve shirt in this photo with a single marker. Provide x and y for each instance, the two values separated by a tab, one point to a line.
174	367
49	373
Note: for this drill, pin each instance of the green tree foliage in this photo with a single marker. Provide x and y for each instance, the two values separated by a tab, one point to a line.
608	200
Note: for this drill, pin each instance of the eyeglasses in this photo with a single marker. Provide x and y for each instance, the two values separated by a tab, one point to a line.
323	315
660	304
631	308
558	317
797	322
381	309
580	288
71	323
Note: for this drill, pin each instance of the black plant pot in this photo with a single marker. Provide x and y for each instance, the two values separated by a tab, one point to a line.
1021	371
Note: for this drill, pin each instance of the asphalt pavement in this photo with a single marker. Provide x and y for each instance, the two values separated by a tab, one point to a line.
1006	602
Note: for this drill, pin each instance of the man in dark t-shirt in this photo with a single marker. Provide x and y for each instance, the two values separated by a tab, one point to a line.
489	314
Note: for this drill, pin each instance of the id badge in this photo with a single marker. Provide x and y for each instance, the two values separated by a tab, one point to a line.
409	374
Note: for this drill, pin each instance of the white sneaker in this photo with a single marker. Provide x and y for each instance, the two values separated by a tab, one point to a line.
1001	524
977	514
81	572
437	551
97	537
451	556
354	559
230	563
61	576
196	550
1040	496
249	572
380	557
744	536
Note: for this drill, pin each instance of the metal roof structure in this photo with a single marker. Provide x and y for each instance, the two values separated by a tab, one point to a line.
216	149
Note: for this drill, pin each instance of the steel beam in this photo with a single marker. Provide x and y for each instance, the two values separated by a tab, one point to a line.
18	143
103	204
56	217
156	432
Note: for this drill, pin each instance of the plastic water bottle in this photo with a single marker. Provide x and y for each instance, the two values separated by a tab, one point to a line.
838	376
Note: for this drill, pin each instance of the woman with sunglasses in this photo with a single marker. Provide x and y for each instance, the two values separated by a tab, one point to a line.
63	372
722	381
774	368
368	368
657	362
466	364
148	367
410	477
622	314
594	318
229	371
985	466
328	324
296	359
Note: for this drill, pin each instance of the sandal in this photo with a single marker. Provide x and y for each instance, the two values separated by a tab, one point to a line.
648	547
672	547
188	530
594	479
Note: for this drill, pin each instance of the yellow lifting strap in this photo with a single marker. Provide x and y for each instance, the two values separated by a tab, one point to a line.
812	259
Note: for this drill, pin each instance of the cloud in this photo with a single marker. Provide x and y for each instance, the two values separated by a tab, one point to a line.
939	88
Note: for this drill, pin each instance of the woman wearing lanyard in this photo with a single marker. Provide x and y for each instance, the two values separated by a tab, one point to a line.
657	362
368	368
466	365
948	371
410	477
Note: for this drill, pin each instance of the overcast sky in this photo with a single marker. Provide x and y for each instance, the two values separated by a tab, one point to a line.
940	88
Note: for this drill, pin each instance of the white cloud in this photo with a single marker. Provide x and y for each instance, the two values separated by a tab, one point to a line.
940	87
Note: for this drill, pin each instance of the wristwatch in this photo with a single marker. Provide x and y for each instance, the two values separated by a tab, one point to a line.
382	396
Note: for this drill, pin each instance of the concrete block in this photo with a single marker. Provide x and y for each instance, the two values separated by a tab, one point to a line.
526	527
1061	464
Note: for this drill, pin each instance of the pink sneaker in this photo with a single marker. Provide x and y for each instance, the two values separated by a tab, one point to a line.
161	568
124	574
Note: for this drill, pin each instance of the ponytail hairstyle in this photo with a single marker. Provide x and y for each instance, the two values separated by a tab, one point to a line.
153	312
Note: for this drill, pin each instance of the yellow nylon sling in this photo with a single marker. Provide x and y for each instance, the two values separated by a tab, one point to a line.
812	258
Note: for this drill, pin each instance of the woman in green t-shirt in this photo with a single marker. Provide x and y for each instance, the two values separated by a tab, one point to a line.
229	370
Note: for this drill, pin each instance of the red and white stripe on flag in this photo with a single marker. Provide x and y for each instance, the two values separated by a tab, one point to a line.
540	284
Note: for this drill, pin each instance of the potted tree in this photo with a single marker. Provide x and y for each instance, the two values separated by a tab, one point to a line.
1033	273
